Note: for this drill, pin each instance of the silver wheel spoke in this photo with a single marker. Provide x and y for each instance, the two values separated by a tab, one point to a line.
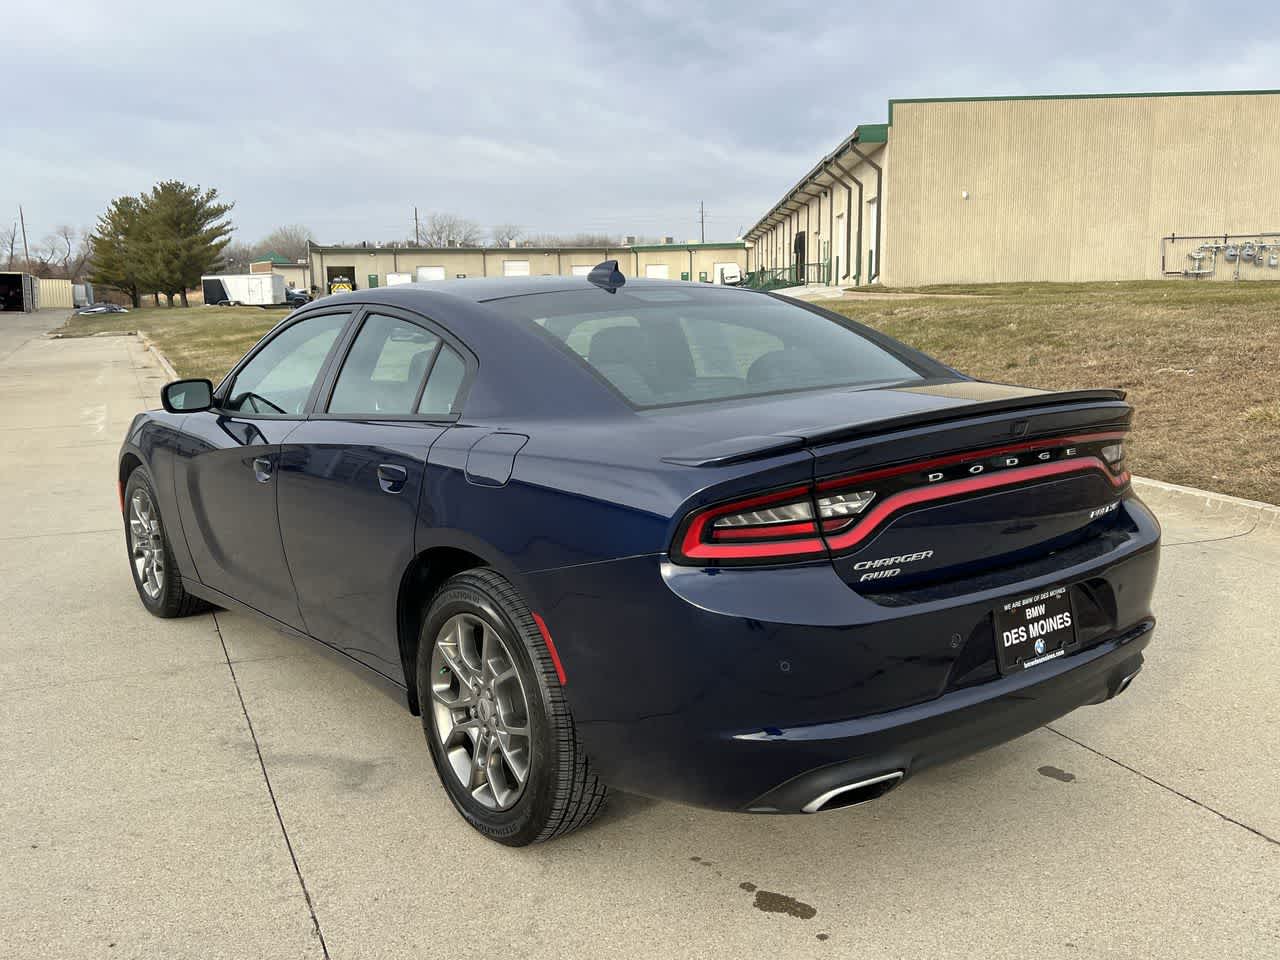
146	544
480	710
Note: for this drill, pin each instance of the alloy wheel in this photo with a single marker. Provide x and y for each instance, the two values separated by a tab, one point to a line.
146	543
481	712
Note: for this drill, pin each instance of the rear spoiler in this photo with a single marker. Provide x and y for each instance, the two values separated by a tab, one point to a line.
738	449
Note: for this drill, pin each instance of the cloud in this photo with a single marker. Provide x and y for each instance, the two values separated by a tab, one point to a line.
559	116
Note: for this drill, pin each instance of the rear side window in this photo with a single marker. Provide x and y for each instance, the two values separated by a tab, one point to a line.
440	398
384	368
668	345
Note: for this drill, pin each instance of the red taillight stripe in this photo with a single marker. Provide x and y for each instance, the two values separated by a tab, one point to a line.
551	647
954	458
692	545
120	492
868	523
770	531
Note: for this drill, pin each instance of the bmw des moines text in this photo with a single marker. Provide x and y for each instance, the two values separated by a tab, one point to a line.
690	541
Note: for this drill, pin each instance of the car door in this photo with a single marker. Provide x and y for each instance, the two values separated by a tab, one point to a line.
225	475
351	478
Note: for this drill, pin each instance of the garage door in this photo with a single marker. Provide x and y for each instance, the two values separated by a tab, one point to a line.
515	268
656	271
430	273
581	270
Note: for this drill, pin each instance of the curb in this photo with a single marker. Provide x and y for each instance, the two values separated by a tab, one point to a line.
147	344
1217	505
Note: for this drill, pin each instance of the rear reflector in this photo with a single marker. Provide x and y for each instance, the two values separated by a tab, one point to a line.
551	648
839	513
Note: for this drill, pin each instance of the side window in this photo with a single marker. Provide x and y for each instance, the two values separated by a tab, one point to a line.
384	368
440	399
279	377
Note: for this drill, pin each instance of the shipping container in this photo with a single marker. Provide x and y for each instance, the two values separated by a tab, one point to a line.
19	292
56	293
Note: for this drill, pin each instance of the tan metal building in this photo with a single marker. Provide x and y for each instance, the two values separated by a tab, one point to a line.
297	274
363	267
1054	188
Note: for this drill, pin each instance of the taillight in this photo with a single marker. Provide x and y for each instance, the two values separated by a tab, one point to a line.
839	513
760	529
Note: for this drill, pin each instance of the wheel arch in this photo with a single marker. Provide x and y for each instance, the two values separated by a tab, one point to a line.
422	580
129	462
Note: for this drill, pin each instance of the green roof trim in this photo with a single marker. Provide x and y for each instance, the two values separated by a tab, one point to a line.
1084	96
275	258
873	132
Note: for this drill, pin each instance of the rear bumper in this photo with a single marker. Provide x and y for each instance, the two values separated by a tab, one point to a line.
761	688
961	723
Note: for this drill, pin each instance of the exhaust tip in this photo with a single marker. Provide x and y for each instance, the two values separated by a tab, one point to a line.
851	794
1125	681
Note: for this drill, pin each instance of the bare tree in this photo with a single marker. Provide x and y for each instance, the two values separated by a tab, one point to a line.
288	241
449	230
237	256
507	234
9	237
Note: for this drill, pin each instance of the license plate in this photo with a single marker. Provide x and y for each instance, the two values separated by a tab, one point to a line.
1033	630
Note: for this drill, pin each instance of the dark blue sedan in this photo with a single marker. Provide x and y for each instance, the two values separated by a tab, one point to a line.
694	542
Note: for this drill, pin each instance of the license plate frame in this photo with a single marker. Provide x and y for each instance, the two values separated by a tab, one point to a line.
1034	629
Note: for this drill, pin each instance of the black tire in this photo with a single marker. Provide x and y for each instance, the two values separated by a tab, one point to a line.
561	792
172	599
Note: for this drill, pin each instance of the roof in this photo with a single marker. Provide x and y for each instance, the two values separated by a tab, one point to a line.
865	133
483	289
611	248
409	248
1083	96
275	258
656	247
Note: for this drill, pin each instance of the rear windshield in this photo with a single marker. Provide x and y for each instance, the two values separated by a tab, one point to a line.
666	345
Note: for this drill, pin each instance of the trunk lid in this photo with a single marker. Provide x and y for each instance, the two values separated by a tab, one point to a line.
929	482
983	486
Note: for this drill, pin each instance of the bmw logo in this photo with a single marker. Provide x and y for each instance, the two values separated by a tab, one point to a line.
1039	647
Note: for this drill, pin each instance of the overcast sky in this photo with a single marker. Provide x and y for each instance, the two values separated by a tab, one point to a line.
558	116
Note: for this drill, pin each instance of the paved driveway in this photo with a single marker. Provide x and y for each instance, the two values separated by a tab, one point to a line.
209	788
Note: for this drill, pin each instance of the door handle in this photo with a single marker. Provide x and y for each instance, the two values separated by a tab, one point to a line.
391	478
262	469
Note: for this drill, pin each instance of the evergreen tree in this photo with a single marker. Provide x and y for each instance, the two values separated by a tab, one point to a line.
184	233
163	240
114	248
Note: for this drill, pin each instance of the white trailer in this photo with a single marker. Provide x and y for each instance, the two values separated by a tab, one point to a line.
249	289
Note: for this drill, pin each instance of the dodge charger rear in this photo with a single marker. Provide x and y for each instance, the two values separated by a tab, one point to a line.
689	541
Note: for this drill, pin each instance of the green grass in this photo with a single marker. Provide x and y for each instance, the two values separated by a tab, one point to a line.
1200	362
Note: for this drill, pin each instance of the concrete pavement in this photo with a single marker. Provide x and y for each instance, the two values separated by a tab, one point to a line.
210	788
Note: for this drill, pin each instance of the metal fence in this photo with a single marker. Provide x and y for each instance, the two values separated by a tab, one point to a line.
793	276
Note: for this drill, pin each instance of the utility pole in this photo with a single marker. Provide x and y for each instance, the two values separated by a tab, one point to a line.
417	241
702	220
26	253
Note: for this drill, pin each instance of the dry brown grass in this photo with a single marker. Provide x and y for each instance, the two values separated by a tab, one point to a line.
1200	361
199	341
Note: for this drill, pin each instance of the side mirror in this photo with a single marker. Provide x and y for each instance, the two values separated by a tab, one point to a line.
187	396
